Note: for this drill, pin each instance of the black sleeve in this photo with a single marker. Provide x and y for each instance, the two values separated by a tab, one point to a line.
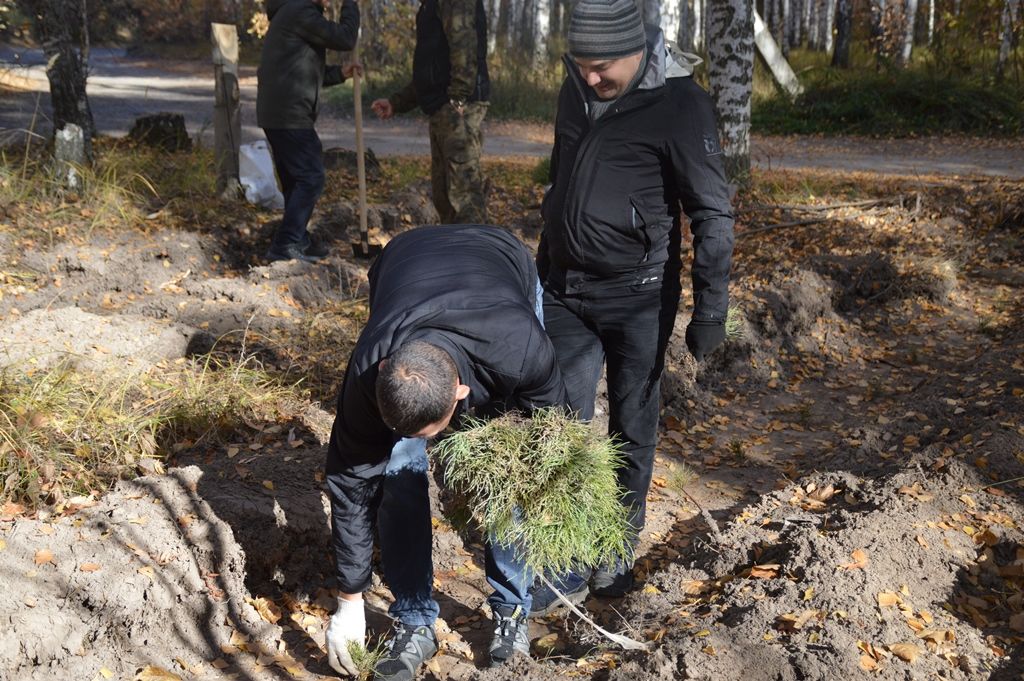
540	382
356	459
697	163
333	75
319	31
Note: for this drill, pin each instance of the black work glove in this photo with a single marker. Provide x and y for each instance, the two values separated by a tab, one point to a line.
703	337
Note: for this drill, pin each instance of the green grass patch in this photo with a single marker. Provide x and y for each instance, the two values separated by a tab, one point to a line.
904	103
65	433
544	484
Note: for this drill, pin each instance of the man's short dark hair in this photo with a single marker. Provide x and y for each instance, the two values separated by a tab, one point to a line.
416	387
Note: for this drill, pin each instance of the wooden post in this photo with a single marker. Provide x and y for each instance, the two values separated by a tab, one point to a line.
227	120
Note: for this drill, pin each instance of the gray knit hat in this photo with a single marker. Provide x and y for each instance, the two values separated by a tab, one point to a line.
605	29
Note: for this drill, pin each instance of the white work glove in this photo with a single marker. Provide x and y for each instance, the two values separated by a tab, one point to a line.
348	623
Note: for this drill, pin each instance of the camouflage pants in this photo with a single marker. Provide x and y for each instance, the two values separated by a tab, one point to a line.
456	178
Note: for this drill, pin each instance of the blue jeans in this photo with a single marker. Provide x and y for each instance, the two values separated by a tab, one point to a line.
298	160
403	522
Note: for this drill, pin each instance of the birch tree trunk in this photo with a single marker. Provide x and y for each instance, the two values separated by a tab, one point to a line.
909	21
59	29
828	20
699	24
730	40
650	10
1011	15
501	29
684	37
844	21
931	22
794	27
780	68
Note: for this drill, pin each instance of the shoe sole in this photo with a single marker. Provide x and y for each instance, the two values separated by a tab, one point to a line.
575	598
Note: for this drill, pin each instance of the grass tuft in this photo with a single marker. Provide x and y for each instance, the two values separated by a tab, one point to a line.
365	658
66	433
546	485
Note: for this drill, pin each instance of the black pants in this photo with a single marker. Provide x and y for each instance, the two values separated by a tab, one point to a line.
298	160
628	327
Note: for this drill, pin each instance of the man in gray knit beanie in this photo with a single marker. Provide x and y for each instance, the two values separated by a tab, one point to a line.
636	148
607	40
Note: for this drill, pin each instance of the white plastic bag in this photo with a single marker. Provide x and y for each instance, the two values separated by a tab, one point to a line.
256	173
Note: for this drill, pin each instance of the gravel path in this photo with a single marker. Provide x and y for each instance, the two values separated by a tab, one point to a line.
122	88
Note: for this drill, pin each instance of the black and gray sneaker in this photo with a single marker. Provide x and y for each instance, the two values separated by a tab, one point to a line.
315	248
289	252
406	651
613	582
510	634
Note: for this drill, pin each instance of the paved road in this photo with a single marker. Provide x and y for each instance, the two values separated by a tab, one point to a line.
122	88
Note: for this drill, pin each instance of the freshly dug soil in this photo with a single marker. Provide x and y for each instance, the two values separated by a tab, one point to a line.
837	492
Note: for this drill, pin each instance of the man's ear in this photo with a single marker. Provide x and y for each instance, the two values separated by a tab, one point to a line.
461	392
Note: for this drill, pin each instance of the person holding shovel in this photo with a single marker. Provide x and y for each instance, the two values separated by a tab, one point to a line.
451	85
636	146
455	326
291	72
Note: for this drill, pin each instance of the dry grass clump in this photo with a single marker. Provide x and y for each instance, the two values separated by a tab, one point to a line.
545	484
65	432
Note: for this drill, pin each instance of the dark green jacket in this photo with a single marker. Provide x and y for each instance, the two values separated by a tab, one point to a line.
293	61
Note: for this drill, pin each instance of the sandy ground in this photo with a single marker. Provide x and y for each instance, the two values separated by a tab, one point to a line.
854	506
122	89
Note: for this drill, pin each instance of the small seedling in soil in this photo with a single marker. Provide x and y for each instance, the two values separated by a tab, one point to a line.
735	319
545	484
365	658
738	449
680	477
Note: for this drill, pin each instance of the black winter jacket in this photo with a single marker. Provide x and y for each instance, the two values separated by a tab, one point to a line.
293	61
613	210
469	289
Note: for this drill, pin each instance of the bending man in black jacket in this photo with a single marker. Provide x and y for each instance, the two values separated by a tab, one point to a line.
291	72
454	326
636	145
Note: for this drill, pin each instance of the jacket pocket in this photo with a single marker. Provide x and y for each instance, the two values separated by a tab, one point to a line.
641	221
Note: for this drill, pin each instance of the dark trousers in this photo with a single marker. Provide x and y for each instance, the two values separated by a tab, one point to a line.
628	327
298	160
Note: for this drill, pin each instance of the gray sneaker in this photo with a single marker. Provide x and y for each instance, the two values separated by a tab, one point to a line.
407	650
510	634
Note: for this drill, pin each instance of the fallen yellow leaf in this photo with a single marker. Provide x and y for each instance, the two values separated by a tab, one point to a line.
908	652
152	673
887	599
89	567
860	559
44	556
267	609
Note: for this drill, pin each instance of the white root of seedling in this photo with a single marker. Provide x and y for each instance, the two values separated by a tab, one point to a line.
624	641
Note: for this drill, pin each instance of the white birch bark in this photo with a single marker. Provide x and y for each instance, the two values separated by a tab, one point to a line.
828	21
909	21
730	41
780	68
931	22
1011	15
699	24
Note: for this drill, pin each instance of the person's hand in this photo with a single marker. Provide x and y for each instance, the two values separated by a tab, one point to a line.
352	69
703	337
383	108
348	623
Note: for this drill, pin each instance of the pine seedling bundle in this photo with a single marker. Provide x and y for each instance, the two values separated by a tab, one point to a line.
545	484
